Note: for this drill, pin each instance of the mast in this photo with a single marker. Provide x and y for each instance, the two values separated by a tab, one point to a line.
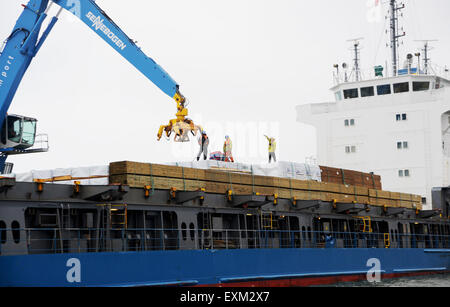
426	49
356	59
394	34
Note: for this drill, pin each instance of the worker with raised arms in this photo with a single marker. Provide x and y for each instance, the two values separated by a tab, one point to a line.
272	148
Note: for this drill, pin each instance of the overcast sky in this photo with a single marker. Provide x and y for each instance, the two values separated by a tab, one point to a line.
243	65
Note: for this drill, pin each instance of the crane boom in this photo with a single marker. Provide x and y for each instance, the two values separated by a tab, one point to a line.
98	21
24	43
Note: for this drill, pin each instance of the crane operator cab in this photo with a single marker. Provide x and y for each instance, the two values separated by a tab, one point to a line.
18	132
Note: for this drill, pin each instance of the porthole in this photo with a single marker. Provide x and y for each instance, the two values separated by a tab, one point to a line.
192	231
183	231
15	228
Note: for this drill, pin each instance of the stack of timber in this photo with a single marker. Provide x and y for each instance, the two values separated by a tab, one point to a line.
350	177
164	177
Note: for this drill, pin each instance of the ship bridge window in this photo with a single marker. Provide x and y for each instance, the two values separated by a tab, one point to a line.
404	173
421	86
402	145
350	122
351	93
401	117
338	96
401	87
350	149
367	91
384	89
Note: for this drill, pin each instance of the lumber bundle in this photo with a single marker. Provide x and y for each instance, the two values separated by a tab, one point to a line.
350	177
165	177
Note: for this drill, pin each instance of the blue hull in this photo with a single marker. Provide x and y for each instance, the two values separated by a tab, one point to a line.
213	267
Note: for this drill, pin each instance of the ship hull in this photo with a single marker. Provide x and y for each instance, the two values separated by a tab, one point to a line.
240	267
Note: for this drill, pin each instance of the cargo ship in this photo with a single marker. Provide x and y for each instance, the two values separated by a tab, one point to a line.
141	224
226	224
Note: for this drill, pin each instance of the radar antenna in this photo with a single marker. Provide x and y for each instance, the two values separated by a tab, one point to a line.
356	60
426	49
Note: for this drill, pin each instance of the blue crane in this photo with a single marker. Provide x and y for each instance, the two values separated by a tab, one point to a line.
18	132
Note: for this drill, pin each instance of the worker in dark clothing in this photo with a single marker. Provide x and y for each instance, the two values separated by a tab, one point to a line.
203	141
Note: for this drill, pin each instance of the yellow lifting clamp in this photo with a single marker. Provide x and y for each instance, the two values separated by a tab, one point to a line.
230	195
173	193
147	189
76	187
294	201
202	198
275	199
181	126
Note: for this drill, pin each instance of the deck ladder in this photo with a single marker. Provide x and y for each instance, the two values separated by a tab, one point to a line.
266	220
387	240
365	223
118	216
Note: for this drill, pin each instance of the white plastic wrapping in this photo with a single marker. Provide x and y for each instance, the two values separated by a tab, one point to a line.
92	175
281	169
98	175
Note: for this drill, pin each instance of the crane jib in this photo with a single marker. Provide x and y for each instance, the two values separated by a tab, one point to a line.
97	23
5	69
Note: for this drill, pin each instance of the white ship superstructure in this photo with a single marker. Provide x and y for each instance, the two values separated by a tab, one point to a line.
396	126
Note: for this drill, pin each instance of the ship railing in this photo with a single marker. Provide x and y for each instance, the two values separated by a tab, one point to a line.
81	240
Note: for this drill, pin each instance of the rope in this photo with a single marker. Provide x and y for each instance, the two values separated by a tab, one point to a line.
231	182
290	186
308	171
309	190
253	179
184	181
152	180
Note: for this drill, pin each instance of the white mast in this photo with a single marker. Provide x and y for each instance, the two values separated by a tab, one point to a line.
394	34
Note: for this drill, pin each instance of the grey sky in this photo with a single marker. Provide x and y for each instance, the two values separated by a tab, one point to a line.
237	61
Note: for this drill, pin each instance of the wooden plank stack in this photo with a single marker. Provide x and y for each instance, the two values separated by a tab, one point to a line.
350	177
165	177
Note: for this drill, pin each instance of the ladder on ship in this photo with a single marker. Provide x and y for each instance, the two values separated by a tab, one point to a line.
387	240
114	218
63	221
206	235
267	220
269	223
118	216
364	223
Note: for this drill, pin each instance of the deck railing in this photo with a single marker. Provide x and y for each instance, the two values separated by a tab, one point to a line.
81	240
